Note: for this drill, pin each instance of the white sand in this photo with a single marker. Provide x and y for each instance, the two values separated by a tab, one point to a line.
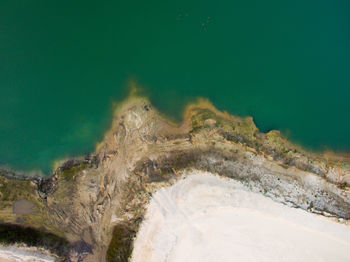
207	218
23	254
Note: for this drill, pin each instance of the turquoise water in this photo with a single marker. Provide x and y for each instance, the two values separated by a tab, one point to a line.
62	63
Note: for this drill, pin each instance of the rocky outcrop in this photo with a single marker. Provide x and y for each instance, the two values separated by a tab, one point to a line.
99	201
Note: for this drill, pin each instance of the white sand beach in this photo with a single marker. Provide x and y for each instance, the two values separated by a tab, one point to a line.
207	218
23	254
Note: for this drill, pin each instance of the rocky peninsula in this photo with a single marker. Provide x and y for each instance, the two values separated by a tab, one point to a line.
91	208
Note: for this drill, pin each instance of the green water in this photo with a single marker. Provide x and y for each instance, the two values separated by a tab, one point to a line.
62	63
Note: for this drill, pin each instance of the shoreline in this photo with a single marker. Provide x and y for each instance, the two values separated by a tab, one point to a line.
97	202
198	102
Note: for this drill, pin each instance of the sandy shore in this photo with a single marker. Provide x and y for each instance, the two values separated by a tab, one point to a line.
23	254
208	218
6	260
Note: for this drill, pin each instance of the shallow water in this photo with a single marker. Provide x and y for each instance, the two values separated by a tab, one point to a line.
62	64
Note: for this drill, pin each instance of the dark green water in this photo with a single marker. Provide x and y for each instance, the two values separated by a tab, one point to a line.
62	63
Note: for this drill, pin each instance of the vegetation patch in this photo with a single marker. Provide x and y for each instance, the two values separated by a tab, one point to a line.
68	174
343	185
121	245
12	190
